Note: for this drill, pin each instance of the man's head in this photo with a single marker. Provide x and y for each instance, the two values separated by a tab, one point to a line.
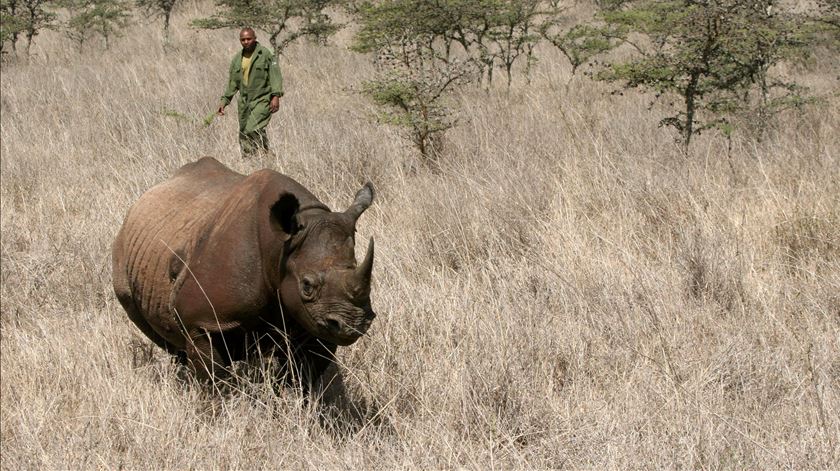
248	39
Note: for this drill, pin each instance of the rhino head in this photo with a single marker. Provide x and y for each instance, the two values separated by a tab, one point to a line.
323	287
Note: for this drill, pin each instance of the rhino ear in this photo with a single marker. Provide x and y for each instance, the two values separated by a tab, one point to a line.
284	213
364	198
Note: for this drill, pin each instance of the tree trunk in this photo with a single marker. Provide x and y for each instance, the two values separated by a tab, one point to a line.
166	37
529	59
29	36
690	109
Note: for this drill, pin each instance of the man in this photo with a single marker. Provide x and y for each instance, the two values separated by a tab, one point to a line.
255	74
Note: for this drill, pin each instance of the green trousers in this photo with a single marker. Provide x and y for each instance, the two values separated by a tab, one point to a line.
253	118
252	142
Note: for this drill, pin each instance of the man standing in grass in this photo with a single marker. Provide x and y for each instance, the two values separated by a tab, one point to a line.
255	74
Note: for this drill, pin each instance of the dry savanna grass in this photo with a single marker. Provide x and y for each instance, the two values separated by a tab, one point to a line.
564	290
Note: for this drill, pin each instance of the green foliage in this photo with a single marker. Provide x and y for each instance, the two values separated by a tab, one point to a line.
514	32
159	8
494	33
425	49
414	93
579	44
177	115
95	17
11	23
208	120
828	13
416	107
384	23
416	73
285	20
714	55
27	17
824	23
403	95
609	5
189	119
76	28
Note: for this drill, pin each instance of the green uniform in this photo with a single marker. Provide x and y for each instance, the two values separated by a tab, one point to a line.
264	82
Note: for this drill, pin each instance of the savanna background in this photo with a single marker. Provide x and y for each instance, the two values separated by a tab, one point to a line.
562	287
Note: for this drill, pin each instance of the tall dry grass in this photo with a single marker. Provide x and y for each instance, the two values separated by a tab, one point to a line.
565	291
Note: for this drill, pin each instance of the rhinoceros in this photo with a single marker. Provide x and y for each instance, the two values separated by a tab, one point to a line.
213	266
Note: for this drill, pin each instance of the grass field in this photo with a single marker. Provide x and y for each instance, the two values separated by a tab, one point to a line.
565	290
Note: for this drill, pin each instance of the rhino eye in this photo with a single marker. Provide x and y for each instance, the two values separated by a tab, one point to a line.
307	287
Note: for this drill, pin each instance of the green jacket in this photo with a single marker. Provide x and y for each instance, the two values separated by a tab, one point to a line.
264	80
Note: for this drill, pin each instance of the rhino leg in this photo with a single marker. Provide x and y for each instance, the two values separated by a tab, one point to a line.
137	318
313	359
207	353
303	360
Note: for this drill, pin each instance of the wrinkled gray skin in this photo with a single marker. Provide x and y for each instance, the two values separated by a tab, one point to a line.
214	266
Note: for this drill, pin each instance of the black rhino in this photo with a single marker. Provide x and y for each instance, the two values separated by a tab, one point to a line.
213	266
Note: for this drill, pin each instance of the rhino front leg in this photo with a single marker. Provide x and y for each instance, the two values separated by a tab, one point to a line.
309	361
206	354
302	358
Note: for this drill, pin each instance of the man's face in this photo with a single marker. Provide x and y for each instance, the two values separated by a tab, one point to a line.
248	40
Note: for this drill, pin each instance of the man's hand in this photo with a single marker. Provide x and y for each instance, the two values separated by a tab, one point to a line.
274	105
221	110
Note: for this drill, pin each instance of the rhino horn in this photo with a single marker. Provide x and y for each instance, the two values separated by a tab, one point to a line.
364	271
364	198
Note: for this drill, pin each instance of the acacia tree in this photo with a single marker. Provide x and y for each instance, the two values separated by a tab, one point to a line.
514	32
579	43
708	54
469	24
95	17
285	21
11	23
32	16
76	27
496	33
414	92
416	74
159	8
766	37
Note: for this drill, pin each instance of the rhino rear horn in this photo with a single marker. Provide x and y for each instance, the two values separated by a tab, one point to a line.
364	198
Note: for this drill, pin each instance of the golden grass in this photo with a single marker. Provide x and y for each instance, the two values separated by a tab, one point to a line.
565	290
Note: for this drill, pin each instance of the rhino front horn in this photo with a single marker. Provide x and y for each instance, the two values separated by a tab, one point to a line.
364	198
364	271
